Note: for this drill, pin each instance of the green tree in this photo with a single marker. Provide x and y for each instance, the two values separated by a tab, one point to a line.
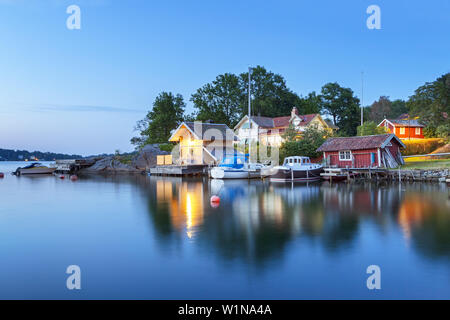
270	95
380	109
219	101
290	134
398	107
309	104
166	115
312	138
370	128
431	103
342	106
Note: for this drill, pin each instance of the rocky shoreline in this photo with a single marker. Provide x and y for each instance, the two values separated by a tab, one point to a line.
429	175
142	162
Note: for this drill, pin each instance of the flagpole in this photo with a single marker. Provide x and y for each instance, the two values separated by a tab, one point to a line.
362	98
249	114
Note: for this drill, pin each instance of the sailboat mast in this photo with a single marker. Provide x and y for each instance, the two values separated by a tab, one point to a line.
249	114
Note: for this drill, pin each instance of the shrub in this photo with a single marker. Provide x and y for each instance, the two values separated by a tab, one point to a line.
166	147
443	131
370	128
311	139
422	146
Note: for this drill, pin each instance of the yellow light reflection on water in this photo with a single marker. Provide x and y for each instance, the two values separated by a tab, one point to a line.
185	201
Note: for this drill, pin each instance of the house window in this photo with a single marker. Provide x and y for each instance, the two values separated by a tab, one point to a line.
417	131
402	130
345	155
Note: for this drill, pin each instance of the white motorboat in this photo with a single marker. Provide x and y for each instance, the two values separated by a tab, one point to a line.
34	168
236	167
297	169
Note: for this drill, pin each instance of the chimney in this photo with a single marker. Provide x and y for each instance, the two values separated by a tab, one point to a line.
294	112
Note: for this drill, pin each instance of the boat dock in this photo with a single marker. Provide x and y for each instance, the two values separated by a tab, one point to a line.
180	170
339	174
72	165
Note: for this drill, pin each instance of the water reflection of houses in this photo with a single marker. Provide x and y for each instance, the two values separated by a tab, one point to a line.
256	221
185	201
361	199
425	220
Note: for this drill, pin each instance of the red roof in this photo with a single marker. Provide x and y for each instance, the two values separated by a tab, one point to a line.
307	118
281	122
284	121
358	143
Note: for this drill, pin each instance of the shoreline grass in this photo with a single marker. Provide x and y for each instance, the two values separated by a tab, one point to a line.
419	163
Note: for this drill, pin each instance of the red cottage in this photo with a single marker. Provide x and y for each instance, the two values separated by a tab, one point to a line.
404	129
378	151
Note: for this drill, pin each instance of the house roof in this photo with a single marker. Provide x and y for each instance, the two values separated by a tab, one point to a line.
264	122
406	123
281	122
403	116
331	124
306	118
205	131
358	143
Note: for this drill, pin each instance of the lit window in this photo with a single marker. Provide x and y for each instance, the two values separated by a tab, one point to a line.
417	131
345	155
402	130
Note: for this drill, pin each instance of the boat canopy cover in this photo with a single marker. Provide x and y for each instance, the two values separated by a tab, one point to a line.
235	161
33	165
297	160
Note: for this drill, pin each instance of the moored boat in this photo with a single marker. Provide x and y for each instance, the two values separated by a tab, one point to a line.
296	169
236	167
34	168
334	175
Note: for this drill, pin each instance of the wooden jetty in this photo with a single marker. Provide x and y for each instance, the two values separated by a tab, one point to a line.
73	165
166	167
180	170
339	174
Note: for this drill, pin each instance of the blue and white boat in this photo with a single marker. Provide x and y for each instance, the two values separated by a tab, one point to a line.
236	166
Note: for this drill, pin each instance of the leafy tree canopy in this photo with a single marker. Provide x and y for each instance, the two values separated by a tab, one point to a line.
342	106
431	103
312	138
380	109
270	95
166	115
219	101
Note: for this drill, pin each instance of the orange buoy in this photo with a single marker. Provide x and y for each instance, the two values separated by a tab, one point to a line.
215	201
61	177
74	177
2	175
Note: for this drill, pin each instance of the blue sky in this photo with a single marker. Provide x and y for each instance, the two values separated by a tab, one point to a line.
82	91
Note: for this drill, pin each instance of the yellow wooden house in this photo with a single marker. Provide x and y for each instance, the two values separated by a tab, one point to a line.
202	143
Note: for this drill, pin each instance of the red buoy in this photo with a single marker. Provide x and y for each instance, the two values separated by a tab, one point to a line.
61	177
74	177
2	175
215	201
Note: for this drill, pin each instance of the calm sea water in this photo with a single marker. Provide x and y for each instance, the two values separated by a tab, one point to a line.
140	237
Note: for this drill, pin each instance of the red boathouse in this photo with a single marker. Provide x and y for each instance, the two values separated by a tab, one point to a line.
377	151
403	128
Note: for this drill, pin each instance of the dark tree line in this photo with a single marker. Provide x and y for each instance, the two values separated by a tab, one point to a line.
19	155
